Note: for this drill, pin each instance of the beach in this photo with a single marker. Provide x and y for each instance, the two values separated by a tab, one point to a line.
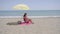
49	25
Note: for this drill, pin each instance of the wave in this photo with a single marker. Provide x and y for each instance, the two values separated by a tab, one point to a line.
28	16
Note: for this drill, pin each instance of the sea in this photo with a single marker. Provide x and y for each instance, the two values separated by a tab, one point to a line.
30	13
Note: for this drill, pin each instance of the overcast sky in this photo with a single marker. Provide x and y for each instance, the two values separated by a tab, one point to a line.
33	4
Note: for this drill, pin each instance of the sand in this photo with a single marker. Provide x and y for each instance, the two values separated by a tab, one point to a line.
48	25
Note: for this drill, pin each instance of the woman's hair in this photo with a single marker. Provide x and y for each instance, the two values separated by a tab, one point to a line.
24	14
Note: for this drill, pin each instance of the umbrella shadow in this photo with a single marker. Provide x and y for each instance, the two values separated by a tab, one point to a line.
14	23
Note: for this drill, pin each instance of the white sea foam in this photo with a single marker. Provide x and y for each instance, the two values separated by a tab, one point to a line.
28	16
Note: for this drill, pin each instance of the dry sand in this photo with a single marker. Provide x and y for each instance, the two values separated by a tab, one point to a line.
41	26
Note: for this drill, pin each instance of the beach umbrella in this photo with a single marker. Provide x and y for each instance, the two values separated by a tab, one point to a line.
21	7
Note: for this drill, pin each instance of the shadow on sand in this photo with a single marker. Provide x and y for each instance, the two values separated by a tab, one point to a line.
14	23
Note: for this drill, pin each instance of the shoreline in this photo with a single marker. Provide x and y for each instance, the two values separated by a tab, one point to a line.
28	16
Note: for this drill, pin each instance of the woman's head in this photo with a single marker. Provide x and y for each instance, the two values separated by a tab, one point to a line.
25	14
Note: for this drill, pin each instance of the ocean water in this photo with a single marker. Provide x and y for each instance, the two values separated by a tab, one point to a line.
30	12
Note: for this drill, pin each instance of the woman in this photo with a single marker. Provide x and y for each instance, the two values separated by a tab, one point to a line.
26	19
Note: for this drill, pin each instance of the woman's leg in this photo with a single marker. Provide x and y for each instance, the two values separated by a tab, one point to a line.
31	21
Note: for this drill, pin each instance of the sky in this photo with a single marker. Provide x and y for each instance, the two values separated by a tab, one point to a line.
32	4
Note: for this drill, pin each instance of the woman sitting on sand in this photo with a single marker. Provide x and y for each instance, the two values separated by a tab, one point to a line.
26	19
